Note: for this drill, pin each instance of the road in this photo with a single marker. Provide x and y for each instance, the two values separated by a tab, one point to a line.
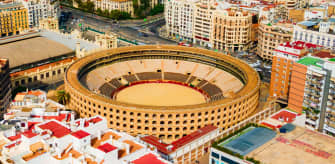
125	29
129	29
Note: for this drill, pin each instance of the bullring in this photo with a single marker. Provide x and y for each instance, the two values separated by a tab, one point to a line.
230	88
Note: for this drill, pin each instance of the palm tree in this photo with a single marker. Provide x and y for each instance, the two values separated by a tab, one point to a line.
63	97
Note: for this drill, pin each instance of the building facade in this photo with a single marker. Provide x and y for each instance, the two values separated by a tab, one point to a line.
5	86
203	22
187	149
270	36
232	30
13	19
121	5
41	9
284	57
86	140
312	91
316	33
179	15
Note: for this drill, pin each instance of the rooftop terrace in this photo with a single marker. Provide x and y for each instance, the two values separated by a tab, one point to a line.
310	61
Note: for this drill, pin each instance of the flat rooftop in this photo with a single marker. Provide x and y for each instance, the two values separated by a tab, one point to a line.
310	61
298	146
248	140
32	50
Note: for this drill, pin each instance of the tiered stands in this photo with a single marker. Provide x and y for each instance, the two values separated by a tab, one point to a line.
150	75
175	76
215	82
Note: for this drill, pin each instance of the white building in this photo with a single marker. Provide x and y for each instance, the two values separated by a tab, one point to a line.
316	33
187	149
78	141
203	22
179	19
41	9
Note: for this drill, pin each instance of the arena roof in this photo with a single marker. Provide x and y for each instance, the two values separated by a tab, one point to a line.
32	50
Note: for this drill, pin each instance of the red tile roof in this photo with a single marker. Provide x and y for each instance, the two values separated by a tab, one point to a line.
162	147
13	138
107	147
57	129
146	159
95	120
29	134
80	134
324	54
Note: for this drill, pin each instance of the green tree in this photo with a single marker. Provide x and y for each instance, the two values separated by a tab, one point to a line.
89	6
157	9
63	97
99	11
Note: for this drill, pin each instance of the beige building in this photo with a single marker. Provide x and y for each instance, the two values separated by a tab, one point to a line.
13	19
203	20
179	15
121	5
49	24
232	30
270	36
5	86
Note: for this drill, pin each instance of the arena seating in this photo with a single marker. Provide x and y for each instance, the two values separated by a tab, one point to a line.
150	75
215	82
211	89
130	78
106	89
175	76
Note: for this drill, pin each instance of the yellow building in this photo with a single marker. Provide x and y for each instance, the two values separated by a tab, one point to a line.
13	19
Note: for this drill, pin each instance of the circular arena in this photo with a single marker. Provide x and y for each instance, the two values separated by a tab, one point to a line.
161	90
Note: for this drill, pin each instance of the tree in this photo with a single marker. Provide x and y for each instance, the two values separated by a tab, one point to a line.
63	97
99	11
157	9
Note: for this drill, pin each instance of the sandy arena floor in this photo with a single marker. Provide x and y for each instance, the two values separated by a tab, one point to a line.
297	147
160	94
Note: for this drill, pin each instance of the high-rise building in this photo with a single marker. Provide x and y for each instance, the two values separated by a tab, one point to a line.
232	30
5	86
203	21
179	19
41	9
284	57
270	36
13	18
312	90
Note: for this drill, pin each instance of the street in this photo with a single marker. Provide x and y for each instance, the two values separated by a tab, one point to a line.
127	29
131	29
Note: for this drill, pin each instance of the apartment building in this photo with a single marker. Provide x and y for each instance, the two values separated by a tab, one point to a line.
5	86
282	64
179	15
270	36
85	140
312	91
316	31
203	21
187	149
232	30
13	18
121	5
41	9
